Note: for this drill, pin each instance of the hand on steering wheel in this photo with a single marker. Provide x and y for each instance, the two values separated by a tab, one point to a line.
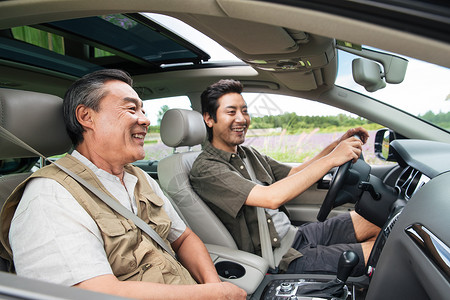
336	185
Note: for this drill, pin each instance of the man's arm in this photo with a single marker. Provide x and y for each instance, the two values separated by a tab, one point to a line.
361	132
109	284
282	191
194	256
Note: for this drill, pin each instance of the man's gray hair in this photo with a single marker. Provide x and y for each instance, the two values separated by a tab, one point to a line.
88	91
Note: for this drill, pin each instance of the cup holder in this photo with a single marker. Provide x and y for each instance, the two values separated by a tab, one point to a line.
230	270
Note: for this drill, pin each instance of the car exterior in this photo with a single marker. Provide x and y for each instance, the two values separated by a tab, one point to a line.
295	49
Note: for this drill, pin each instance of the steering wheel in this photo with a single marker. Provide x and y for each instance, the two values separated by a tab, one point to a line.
336	184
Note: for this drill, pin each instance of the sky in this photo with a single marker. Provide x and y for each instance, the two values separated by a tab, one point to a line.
425	87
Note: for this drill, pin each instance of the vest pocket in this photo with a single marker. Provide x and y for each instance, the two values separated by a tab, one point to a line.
120	238
160	261
151	273
155	214
146	272
110	225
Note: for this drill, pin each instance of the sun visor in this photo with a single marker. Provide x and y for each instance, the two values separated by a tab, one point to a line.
249	37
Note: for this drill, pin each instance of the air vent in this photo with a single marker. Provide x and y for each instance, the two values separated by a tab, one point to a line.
404	178
410	181
417	181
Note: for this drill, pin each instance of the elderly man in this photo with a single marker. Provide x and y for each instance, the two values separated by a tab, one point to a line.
234	179
61	232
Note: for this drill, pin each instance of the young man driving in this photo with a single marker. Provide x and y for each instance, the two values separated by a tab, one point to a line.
233	180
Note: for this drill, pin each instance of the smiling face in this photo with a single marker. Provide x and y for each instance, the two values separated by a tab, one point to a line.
115	133
232	122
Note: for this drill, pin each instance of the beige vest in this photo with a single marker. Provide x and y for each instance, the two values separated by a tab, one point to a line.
132	254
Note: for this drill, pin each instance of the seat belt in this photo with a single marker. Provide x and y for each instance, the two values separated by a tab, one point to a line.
112	203
264	235
119	208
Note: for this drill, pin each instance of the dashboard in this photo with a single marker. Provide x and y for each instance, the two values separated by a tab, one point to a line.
411	257
427	157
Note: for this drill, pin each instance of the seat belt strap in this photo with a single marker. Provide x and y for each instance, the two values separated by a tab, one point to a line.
112	203
264	234
119	208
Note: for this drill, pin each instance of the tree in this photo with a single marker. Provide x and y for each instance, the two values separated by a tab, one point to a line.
161	112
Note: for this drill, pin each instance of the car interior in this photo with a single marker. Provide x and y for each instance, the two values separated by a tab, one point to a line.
283	48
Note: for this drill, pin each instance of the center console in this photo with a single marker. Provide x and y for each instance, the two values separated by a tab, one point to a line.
310	286
293	289
290	286
249	272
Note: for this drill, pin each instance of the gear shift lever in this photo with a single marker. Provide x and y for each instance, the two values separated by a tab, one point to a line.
335	287
347	261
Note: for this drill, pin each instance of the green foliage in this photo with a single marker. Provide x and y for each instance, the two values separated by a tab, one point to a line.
284	155
153	129
120	20
161	112
101	53
47	40
39	38
441	119
151	142
297	124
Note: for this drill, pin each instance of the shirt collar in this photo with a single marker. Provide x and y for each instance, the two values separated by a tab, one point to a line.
224	154
99	172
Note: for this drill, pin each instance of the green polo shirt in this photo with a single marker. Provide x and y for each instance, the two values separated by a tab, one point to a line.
221	179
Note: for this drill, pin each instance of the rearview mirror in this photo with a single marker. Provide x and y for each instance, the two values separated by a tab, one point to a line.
381	68
368	74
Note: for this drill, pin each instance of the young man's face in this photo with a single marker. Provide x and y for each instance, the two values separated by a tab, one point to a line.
120	124
232	122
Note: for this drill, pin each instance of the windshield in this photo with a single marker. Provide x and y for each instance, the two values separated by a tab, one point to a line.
424	93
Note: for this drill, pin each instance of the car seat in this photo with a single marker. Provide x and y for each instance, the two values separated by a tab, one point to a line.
36	119
181	127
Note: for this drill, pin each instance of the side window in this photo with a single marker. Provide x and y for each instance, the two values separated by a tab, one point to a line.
293	130
155	109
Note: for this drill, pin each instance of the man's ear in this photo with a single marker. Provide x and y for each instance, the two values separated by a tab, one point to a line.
84	116
208	119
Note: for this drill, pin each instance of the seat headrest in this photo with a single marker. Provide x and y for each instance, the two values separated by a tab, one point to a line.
182	127
36	119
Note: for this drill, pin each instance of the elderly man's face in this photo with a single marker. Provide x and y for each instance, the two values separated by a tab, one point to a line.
120	125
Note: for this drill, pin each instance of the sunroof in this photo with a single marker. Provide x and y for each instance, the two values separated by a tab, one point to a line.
128	41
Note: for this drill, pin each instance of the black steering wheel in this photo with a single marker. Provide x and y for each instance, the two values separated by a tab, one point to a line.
336	184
